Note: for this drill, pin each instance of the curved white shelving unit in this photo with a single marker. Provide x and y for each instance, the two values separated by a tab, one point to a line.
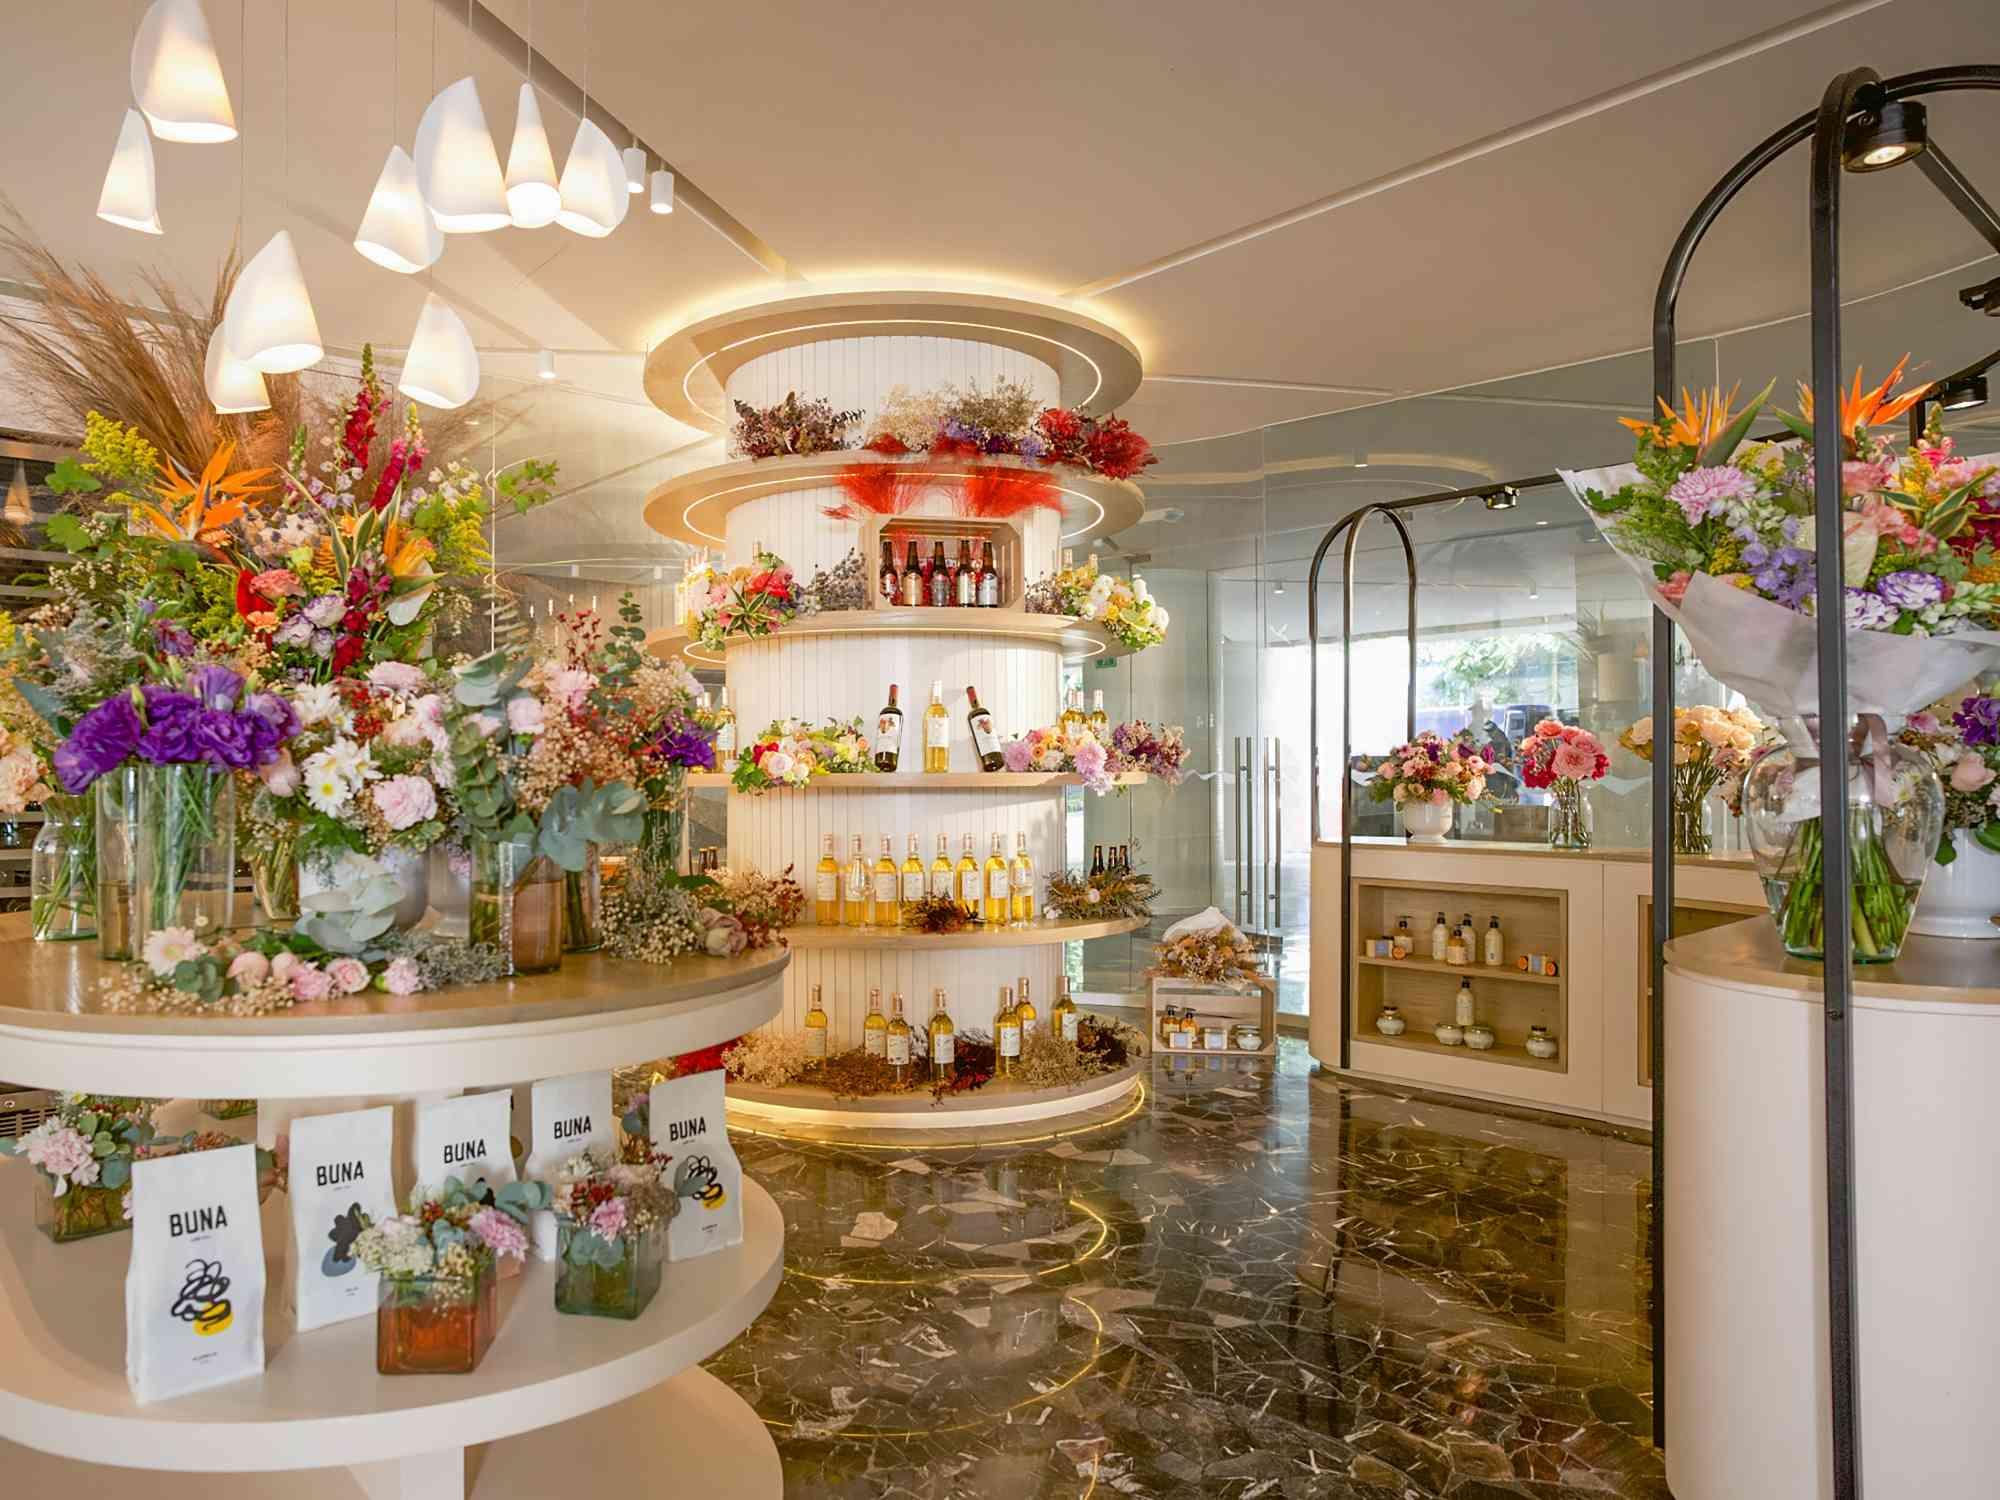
919	781
996	1103
1078	640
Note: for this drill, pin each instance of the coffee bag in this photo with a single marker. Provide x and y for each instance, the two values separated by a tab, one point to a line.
568	1115
687	1121
194	1290
339	1185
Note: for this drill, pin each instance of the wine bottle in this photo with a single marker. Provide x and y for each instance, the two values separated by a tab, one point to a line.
826	885
897	1040
1096	860
885	895
1006	1035
1062	1015
725	733
913	879
938	585
816	1028
1070	721
1021	879
999	893
1024	1012
875	1029
985	743
854	887
889	580
941	871
912	583
971	883
1099	722
965	582
942	1048
937	732
889	734
989	577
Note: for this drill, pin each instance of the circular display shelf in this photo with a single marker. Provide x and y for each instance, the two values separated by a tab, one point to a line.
319	1401
1078	639
690	507
687	372
931	781
999	1102
1033	935
595	1012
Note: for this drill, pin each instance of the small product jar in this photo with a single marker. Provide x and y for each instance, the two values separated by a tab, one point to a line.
1450	1033
1389	1021
1540	1043
1247	1039
1479	1037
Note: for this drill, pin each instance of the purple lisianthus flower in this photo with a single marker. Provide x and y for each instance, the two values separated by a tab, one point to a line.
215	686
1978	721
275	711
322	643
1867	610
1909	589
1033	446
100	742
297	631
682	742
325	610
1700	491
171	720
172	640
229	740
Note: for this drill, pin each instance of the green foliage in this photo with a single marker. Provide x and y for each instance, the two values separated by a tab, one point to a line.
527	484
71	478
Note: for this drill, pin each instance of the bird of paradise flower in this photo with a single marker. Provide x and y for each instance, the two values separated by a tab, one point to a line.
1859	409
201	510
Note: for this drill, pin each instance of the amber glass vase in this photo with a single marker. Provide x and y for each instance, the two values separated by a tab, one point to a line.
436	1325
595	1286
517	904
583	902
80	1212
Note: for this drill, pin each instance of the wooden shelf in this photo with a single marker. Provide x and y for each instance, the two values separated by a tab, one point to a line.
1033	935
1432	966
1500	1052
920	781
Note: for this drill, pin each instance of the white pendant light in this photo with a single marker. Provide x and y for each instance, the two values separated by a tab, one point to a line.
532	196
232	385
442	367
635	169
176	76
129	198
269	323
545	365
457	166
398	231
663	192
594	199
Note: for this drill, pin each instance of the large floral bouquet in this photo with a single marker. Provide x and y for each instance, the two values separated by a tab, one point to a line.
1056	749
1127	610
1159	751
1433	769
790	427
741	602
1963	743
1005	421
790	752
1219	955
1555	752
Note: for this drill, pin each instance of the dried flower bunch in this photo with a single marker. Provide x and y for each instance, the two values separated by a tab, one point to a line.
1112	895
762	906
604	1199
1112	1043
858	1074
1219	956
935	914
846	587
972	1066
652	921
792	426
768	1059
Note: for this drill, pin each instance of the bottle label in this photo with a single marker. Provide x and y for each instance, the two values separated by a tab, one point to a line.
1180	1041
816	1042
996	885
725	739
885	890
899	1050
1022	876
989	589
874	1042
982	725
1069	1021
941	1050
937	731
941	883
913	885
969	888
857	885
888	734
827	886
1010	1041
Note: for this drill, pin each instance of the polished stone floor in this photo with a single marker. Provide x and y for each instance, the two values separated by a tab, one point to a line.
1260	1283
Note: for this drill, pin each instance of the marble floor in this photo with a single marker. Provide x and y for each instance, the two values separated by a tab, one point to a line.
1258	1283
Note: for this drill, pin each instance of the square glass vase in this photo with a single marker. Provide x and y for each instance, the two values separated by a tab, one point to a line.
80	1213
436	1325
588	1287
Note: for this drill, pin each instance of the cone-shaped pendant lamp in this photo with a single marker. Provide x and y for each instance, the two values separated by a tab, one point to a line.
594	199
176	76
129	199
398	231
532	196
442	367
231	384
457	166
269	324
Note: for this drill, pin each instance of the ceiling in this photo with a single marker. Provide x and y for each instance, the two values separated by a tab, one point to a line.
1294	211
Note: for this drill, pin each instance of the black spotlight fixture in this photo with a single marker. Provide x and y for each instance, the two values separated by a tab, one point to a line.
1962	394
1504	498
1894	133
1983	298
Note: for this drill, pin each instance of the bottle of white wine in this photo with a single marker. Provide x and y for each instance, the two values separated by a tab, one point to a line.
1063	1015
854	886
913	879
942	882
897	1039
725	733
1099	721
1071	720
1021	883
937	732
942	1041
875	1029
999	889
971	883
816	1028
826	885
985	743
885	894
889	734
1024	1009
1006	1035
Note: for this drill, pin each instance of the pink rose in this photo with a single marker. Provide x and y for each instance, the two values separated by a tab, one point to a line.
1574	762
281	775
311	983
402	977
404	801
349	975
1970	774
525	714
285	965
250	967
569	686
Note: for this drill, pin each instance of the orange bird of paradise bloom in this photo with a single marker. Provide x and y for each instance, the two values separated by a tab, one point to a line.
1700	421
1860	410
197	510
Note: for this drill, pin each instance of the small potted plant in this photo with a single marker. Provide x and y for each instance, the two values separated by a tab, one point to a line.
611	1233
82	1156
437	1306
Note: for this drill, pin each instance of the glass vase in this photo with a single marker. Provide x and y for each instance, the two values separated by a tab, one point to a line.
436	1325
589	1288
80	1212
184	866
517	904
273	858
1895	817
1690	824
1569	815
658	855
583	901
451	889
62	893
117	794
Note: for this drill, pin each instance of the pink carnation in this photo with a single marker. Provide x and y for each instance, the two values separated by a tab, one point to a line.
249	967
349	975
396	676
309	982
1019	754
405	801
402	977
277	583
608	1218
501	1234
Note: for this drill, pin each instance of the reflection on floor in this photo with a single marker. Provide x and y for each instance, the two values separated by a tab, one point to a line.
1261	1283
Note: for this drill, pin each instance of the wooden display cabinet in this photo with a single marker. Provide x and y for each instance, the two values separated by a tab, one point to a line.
1003	536
1425	991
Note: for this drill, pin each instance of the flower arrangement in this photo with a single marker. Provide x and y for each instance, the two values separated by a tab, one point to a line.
1127	610
748	602
1219	955
1055	749
760	906
955	423
455	1233
1156	751
1555	752
1433	769
935	914
601	1201
973	1061
790	427
247	973
1963	744
1113	895
89	1141
654	921
1713	747
790	752
767	1059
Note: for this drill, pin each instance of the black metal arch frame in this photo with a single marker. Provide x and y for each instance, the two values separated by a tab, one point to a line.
1853	94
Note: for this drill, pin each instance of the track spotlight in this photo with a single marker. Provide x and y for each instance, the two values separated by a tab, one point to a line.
663	192
545	365
1962	394
1504	498
1892	134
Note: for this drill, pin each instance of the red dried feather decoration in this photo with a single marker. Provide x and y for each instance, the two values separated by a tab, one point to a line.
875	490
888	443
994	493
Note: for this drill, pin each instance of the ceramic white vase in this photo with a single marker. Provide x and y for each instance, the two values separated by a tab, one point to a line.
1426	822
1958	899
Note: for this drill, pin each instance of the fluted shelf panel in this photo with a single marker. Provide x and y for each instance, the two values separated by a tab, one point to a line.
1032	935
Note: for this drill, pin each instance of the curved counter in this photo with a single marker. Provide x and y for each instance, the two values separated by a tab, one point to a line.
1745	1201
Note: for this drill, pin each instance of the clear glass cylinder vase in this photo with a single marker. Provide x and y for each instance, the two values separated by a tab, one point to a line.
583	903
117	794
62	877
517	904
274	874
451	889
594	1284
658	855
184	863
80	1212
1690	824
1895	817
1569	815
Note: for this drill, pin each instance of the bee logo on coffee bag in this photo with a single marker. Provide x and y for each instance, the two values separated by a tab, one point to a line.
194	1291
687	1125
339	1185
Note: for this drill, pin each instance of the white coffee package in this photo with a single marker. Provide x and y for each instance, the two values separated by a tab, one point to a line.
339	1184
688	1125
194	1290
466	1137
568	1115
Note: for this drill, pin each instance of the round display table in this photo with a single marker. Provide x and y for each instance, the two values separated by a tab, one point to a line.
1748	1405
556	1402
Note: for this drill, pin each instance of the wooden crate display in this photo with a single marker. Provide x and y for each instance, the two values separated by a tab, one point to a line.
1506	998
1002	535
1256	1006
